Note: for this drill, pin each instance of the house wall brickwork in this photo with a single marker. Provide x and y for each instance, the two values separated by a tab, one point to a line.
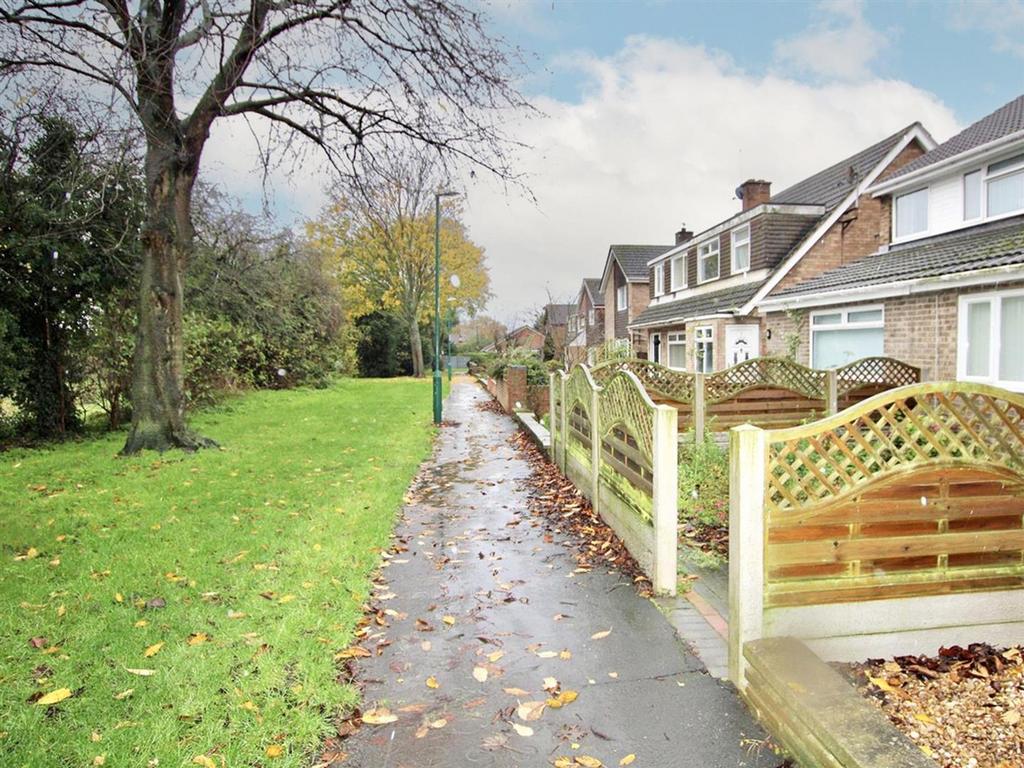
921	330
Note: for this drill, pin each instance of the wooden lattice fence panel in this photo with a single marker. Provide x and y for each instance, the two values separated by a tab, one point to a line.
669	385
870	376
918	491
627	432
764	372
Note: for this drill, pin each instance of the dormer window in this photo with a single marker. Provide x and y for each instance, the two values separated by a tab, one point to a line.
659	279
1005	182
972	195
678	272
911	213
741	249
707	261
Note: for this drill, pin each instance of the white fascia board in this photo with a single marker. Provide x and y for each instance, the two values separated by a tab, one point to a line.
896	289
607	269
945	166
680	320
915	132
739	219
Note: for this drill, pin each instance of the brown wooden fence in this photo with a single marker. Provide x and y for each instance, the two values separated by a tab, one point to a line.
768	392
873	523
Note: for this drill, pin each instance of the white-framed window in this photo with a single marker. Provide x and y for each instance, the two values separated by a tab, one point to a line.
911	214
741	249
591	316
654	347
678	274
839	336
676	355
659	279
622	297
1004	187
707	261
704	349
972	195
989	349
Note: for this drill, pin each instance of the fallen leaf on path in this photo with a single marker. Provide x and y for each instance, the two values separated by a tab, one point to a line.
124	694
546	654
54	697
523	730
141	672
565	697
588	762
516	692
449	620
492	657
355	652
564	762
203	760
198	638
530	710
550	684
425	645
480	674
432	682
565	655
601	635
881	684
439	723
627	760
275	750
381	716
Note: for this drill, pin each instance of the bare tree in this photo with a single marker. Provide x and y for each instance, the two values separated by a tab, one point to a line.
347	76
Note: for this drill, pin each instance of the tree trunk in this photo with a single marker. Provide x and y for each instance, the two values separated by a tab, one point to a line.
416	348
158	407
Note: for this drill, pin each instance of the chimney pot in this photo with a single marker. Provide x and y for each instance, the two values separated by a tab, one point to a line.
683	235
754	192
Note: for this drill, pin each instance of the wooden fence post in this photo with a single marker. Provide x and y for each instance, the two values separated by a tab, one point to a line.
698	408
595	446
747	458
665	498
831	392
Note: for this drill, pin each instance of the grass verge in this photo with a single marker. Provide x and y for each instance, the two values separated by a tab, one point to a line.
192	605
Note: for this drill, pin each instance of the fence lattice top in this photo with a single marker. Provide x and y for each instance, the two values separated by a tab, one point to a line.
941	424
875	370
578	388
657	378
623	402
765	372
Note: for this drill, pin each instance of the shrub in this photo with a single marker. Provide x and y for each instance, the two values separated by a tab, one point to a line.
703	483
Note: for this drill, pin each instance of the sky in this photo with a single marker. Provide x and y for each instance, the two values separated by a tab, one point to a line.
653	111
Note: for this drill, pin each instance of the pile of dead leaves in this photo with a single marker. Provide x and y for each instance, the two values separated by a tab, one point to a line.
706	537
566	510
964	707
491	406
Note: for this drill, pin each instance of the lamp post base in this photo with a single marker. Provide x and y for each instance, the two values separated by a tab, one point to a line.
437	396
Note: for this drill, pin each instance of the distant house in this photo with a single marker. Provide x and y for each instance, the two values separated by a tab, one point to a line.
523	337
943	288
556	327
586	323
624	285
707	294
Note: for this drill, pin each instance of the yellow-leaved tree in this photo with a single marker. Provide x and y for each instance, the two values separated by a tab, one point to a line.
379	231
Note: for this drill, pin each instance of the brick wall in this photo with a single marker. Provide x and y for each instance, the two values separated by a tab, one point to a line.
858	232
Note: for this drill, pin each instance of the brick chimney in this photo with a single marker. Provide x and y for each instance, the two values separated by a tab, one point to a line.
683	235
753	192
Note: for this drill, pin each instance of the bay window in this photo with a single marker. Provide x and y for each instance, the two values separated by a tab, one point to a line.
911	213
677	350
707	261
989	348
741	249
840	336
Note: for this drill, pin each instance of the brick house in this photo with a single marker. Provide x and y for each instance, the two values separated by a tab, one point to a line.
624	285
586	322
943	288
705	292
523	337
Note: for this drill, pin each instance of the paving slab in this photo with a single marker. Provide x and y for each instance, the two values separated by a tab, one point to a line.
476	554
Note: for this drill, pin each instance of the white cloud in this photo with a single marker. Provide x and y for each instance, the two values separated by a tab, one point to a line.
1002	19
662	135
840	45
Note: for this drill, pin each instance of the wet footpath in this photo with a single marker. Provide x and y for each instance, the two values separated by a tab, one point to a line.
498	651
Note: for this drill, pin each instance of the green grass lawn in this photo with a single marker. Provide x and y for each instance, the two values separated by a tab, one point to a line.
240	572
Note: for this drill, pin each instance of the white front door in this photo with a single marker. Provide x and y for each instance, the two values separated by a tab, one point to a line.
742	342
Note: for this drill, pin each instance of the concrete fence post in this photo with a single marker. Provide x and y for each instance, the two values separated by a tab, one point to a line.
665	501
698	408
553	418
563	422
747	457
595	446
831	392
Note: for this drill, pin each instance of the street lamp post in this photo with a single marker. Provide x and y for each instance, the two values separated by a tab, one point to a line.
437	303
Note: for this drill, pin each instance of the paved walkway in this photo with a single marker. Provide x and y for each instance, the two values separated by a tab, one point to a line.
516	609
